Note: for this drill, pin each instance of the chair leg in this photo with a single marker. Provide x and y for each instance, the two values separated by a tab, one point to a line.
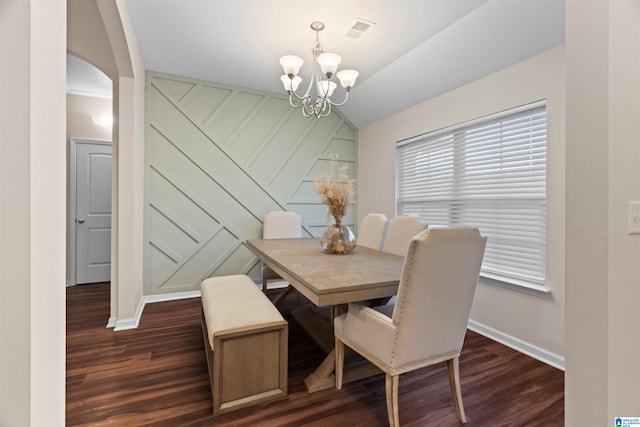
454	383
339	353
391	385
265	281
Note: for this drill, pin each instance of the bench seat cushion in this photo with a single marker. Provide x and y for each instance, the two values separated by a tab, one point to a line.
231	302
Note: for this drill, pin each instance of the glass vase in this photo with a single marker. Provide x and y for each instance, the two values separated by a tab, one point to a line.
338	239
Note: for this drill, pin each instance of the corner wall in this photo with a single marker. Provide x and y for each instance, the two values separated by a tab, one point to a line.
532	323
32	212
603	176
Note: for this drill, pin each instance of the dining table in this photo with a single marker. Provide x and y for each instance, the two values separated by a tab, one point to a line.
330	280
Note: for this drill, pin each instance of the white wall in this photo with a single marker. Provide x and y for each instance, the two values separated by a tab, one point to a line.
32	212
603	175
532	322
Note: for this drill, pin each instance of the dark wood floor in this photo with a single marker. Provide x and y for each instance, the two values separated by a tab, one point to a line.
156	375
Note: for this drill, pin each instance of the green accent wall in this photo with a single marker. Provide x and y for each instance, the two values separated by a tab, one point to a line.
217	158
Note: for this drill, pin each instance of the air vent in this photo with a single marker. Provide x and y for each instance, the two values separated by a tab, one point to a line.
359	28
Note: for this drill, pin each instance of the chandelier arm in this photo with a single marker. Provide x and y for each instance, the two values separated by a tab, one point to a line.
308	109
307	112
326	107
292	95
321	90
346	97
313	75
291	99
303	97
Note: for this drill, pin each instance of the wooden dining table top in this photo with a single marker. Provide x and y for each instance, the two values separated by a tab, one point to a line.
329	279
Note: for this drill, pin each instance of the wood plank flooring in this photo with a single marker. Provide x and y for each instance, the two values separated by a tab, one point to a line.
156	375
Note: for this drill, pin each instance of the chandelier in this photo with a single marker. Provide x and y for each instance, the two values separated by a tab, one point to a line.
316	102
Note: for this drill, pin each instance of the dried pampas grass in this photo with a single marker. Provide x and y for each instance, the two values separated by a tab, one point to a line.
336	190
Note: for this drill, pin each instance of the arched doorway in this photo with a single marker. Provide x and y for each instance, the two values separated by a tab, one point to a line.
99	32
89	172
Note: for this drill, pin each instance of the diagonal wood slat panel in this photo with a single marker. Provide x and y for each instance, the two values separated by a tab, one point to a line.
217	158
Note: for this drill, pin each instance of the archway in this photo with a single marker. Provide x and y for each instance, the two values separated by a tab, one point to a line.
98	31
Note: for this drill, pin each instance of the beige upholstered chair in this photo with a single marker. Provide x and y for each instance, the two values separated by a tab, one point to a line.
428	322
399	233
372	230
279	225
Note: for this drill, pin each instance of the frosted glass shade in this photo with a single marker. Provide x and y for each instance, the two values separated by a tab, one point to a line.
290	84
291	64
329	63
326	88
348	78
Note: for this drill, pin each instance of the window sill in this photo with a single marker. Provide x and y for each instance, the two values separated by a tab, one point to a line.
528	288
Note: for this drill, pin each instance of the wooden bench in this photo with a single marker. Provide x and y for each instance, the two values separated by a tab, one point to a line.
245	341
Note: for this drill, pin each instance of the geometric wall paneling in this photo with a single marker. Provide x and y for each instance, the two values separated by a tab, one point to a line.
217	158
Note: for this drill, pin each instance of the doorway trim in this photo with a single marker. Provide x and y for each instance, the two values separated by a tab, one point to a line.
73	147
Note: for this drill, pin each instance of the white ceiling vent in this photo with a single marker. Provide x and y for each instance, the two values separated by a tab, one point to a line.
359	28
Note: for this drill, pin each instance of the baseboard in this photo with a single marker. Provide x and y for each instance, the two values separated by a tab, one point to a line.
171	296
131	323
111	323
517	344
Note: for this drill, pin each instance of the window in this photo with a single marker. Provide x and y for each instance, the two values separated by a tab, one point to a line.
489	173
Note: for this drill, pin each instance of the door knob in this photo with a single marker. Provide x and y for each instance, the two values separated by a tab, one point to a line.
81	221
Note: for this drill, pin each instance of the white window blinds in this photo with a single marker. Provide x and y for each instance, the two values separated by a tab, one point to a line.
489	173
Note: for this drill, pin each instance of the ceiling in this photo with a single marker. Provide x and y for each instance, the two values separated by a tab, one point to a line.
414	51
85	79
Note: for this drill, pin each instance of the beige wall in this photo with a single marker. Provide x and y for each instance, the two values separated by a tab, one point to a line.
32	213
128	138
79	111
532	322
603	175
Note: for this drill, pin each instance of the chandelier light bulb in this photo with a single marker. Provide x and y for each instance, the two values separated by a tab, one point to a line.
291	64
329	63
326	88
290	84
348	78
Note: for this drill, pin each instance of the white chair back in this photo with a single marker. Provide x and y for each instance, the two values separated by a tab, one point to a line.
400	231
372	230
435	293
282	225
428	320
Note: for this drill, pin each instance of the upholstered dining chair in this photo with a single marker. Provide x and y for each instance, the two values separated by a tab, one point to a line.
399	233
279	225
372	230
428	321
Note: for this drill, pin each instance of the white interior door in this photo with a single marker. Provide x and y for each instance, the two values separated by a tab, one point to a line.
93	212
